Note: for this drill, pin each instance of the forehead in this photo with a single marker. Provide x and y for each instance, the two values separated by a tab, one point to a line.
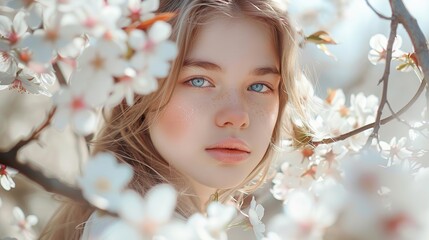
228	41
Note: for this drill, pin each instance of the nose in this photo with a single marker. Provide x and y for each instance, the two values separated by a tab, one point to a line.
232	115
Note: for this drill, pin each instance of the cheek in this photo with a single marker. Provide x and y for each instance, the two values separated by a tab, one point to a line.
265	114
174	121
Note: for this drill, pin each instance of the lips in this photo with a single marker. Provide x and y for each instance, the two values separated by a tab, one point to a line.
231	150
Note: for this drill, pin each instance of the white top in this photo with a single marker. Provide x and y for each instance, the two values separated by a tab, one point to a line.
105	227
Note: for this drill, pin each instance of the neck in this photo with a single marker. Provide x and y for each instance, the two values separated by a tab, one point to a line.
204	194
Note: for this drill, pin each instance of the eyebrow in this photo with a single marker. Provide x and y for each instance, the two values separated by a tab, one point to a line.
214	67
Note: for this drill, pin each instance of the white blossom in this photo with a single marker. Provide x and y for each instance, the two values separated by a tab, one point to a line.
256	212
153	50
98	19
396	150
103	180
214	225
378	52
97	66
150	213
55	35
303	218
23	81
13	31
137	10
389	202
24	224
106	227
33	10
6	174
291	177
75	105
127	85
7	59
419	136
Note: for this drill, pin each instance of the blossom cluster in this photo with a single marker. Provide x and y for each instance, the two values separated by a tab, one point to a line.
22	224
109	60
332	118
148	217
351	189
378	53
374	198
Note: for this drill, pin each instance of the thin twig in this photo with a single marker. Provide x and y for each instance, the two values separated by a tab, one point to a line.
385	80
35	135
371	125
405	122
377	12
396	116
9	159
59	74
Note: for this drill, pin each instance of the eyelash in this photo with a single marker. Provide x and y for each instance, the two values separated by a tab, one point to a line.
189	82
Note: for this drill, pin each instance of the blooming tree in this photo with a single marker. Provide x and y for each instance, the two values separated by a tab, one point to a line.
339	181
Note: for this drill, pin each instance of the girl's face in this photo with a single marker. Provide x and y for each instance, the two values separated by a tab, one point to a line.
220	119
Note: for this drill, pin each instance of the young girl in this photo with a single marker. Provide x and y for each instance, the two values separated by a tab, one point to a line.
213	125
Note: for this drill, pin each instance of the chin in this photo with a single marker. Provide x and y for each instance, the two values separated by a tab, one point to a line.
222	182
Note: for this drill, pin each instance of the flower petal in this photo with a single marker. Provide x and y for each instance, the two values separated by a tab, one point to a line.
5	26
161	201
4	183
166	50
34	18
132	207
6	78
32	220
18	214
19	24
137	39
150	5
378	42
61	118
84	122
159	31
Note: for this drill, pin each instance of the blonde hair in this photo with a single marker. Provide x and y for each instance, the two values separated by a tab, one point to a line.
125	131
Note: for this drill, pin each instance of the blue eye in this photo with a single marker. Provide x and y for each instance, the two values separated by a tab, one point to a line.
199	82
258	87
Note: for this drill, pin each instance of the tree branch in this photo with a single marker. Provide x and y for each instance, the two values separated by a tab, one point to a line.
418	40
397	117
35	135
377	12
53	185
416	35
371	125
384	79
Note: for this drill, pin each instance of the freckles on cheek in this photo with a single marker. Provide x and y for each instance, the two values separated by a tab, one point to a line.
175	121
266	113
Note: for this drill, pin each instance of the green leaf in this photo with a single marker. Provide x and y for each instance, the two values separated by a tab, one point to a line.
320	37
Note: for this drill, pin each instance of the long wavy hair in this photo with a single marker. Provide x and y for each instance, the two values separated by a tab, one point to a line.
125	129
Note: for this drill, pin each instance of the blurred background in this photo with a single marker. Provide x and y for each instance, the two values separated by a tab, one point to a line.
351	23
